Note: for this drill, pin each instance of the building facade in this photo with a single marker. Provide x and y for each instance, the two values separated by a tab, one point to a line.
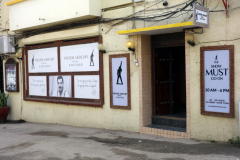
158	87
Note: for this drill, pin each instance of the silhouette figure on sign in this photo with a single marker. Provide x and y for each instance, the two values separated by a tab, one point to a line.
119	71
91	59
216	58
33	62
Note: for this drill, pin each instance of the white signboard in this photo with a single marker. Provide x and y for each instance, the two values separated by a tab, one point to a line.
37	85
216	68
119	81
87	86
201	16
81	57
43	60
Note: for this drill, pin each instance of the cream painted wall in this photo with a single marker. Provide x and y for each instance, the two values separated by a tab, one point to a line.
4	14
78	33
223	31
158	9
15	98
53	12
114	3
84	116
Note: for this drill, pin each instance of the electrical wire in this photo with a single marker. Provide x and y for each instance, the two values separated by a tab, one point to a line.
113	22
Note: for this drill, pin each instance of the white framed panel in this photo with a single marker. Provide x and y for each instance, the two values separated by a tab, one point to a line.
43	60
38	85
119	81
79	58
217	84
200	16
87	86
217	80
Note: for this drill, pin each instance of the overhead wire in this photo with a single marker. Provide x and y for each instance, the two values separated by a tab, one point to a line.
149	17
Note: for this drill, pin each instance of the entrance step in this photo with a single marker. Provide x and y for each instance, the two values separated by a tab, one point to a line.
169	121
166	128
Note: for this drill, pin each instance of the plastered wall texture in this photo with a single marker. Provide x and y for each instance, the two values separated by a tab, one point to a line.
114	3
157	10
15	98
84	116
223	31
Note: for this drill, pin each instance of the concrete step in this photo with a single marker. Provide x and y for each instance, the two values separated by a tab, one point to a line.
169	121
166	128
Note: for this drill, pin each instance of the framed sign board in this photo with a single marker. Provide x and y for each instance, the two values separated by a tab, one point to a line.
64	72
11	76
43	60
81	57
86	86
37	85
217	81
120	81
200	16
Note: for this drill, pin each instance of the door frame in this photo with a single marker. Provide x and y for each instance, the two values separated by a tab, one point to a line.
144	49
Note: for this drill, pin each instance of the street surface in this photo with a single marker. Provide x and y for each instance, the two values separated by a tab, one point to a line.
33	141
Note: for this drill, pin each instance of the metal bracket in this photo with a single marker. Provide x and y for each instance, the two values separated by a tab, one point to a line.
225	2
4	57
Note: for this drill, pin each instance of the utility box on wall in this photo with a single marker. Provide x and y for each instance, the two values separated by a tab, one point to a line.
35	14
7	44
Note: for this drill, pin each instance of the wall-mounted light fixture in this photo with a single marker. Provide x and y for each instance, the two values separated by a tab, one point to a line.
130	46
190	39
101	48
19	56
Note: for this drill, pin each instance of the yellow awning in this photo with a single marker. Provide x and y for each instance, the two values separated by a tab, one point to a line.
169	28
13	2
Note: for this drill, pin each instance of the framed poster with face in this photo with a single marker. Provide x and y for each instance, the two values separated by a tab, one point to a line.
60	86
11	75
120	81
217	81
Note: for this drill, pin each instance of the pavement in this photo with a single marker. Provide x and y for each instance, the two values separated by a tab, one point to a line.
34	141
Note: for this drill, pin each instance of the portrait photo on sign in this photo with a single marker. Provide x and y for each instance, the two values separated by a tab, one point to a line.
60	86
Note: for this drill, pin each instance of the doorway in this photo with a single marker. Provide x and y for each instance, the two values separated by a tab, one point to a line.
170	82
